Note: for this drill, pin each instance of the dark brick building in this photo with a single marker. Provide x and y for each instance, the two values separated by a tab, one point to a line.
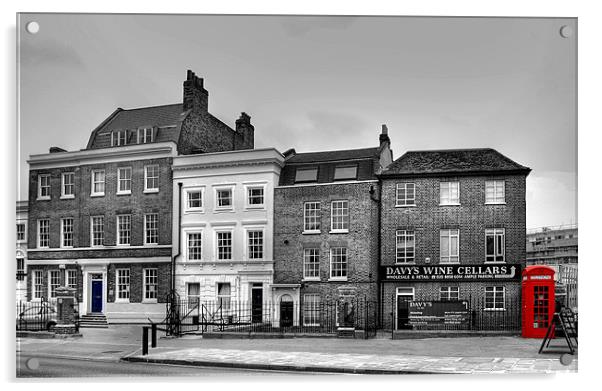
452	229
100	219
326	228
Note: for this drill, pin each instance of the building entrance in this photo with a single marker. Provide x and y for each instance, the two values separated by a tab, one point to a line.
404	295
257	303
96	299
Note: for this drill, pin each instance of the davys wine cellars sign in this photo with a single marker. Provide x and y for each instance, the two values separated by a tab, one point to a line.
438	312
450	272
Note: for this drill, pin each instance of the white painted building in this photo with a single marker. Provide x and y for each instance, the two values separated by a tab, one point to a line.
224	222
21	249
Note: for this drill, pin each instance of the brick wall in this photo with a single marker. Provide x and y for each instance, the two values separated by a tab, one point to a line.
204	132
361	241
137	280
45	269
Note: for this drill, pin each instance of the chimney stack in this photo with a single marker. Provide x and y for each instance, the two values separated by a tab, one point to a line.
384	136
246	131
196	97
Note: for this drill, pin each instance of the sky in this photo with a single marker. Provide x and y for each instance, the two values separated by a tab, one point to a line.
320	83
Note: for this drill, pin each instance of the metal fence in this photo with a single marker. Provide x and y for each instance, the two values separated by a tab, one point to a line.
325	317
36	315
478	316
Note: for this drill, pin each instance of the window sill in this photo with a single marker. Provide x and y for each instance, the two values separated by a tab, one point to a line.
339	231
449	263
412	263
338	279
122	245
495	262
123	193
150	191
405	206
194	210
122	301
43	199
149	301
223	210
66	247
151	244
495	203
255	207
313	232
68	197
494	309
458	204
97	194
311	279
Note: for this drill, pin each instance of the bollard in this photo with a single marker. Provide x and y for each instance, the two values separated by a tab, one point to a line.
154	336
144	341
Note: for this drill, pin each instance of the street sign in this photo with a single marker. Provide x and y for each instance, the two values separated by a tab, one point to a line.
450	272
438	312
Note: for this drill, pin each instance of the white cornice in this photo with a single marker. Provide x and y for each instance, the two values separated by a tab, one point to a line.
246	157
103	155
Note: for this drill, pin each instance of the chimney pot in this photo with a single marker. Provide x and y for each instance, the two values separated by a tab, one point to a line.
385	130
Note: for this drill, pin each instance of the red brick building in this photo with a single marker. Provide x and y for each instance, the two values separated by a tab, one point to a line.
326	228
100	219
453	228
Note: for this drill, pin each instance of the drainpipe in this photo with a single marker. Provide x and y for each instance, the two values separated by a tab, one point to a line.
173	259
378	249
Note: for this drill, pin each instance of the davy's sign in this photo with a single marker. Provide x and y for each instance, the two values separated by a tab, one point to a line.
450	272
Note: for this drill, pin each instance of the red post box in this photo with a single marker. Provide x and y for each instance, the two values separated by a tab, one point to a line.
537	300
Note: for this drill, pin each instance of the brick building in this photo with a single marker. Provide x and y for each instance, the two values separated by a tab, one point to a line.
326	228
21	252
100	219
226	213
452	229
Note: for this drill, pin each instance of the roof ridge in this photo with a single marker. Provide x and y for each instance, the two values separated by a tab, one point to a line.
337	150
453	150
151	107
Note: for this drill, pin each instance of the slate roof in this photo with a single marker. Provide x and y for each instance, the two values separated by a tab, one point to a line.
329	156
131	119
453	161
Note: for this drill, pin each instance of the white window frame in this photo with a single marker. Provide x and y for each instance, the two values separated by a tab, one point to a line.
496	232
21	271
39	241
185	201
24	238
116	137
407	201
52	283
119	284
220	298
147	177
193	298
118	233
145	284
496	291
312	307
345	217
346	263
125	180
70	275
306	169
449	291
92	183
404	260
248	188
496	185
216	244
248	231
64	194
92	231
187	244
146	229
40	187
63	245
345	178
308	253
449	255
142	133
447	186
216	206
318	218
37	281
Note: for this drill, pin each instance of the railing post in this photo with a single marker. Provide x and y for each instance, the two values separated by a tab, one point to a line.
144	340
154	336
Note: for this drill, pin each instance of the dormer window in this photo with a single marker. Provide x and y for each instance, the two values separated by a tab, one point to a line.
345	173
306	175
145	135
118	138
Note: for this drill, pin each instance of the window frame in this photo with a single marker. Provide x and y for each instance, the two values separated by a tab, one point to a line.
141	135
119	284
346	218
187	245
494	289
41	187
147	177
65	195
37	285
345	264
22	233
146	284
219	299
449	252
248	251
118	231
125	180
21	271
116	137
406	200
187	192
302	169
313	310
217	245
495	183
63	245
496	233
315	263
92	231
191	298
349	178
146	229
94	193
317	218
448	184
68	278
39	235
449	291
53	274
221	208
405	233
248	188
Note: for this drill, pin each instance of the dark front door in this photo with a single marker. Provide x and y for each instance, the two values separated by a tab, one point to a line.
403	312
96	296
286	313
256	304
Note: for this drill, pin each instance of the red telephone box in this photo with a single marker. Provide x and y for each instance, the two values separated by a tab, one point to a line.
537	300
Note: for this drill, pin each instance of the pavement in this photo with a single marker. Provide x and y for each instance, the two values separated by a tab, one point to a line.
463	355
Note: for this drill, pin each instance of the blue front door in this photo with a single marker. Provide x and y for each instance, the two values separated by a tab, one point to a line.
96	296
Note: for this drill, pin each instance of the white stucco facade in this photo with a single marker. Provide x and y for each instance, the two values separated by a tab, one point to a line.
223	219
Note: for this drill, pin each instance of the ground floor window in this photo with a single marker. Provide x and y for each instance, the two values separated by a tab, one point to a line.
449	293
123	284
311	310
338	263
54	281
495	297
72	278
223	296
150	284
38	284
193	291
20	269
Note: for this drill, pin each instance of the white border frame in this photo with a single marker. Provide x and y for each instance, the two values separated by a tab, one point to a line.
151	190
192	189
124	192
104	182
63	195
40	196
338	231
